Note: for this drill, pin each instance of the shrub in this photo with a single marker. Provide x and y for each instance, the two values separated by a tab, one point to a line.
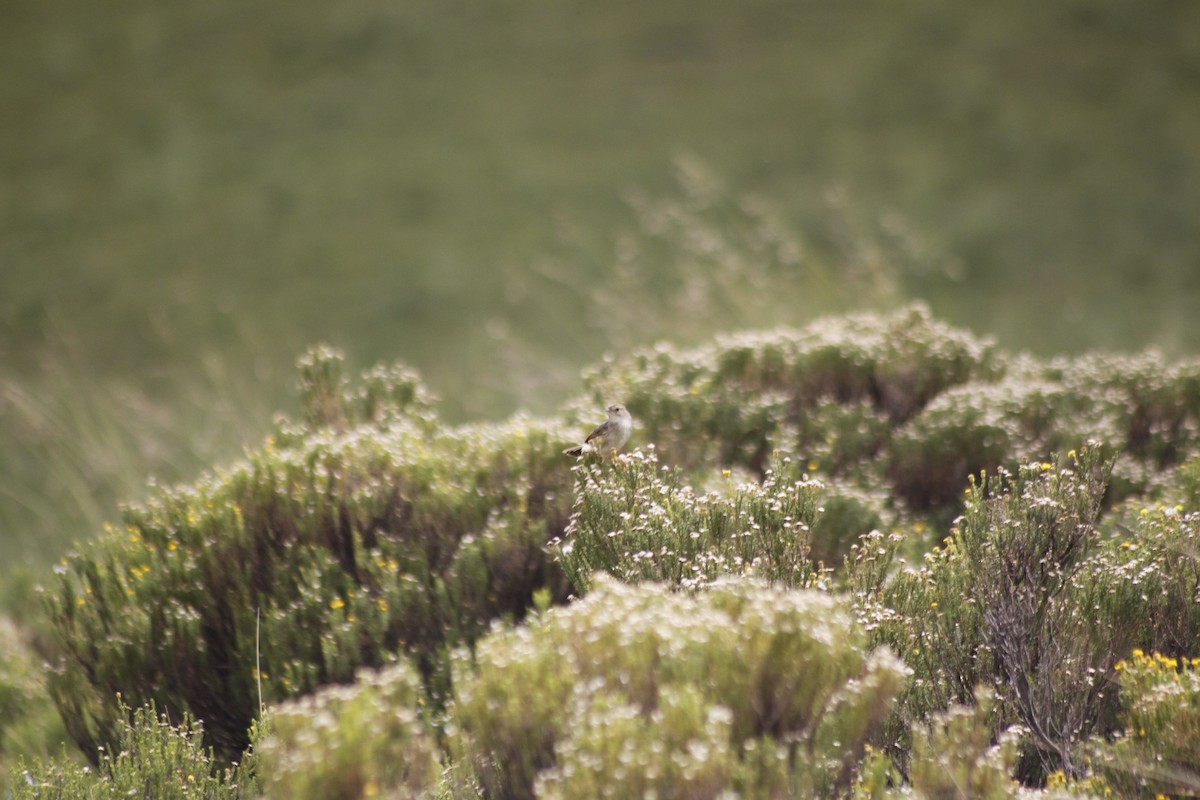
372	532
638	521
904	399
1159	751
738	687
1143	583
151	758
996	606
349	742
336	547
730	403
958	755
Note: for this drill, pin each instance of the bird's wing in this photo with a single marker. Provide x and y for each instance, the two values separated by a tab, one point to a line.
600	430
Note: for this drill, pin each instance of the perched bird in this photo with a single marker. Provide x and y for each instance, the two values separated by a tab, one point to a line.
609	435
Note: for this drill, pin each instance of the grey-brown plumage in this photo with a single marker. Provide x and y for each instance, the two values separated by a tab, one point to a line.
609	436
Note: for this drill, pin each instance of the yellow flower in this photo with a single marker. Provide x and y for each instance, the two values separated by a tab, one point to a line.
337	603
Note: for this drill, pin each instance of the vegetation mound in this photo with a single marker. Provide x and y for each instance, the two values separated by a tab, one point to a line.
776	485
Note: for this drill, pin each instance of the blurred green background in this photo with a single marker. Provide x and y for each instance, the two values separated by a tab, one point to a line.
498	193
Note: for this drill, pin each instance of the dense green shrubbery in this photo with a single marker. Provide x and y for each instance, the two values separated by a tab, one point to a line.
372	533
1159	750
1030	597
347	742
150	758
902	402
369	533
639	522
832	392
631	691
997	607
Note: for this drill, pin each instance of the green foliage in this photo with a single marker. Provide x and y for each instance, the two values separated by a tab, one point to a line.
151	758
375	534
1158	752
732	402
638	521
28	723
957	755
737	687
1144	583
904	403
348	742
997	606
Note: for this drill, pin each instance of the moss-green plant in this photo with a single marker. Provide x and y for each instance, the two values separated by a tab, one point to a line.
638	521
737	687
150	758
1158	751
831	391
369	739
997	606
958	755
371	532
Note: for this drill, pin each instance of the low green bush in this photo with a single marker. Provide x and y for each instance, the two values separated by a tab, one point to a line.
1143	582
638	521
640	689
370	739
1158	751
372	532
902	402
832	390
150	758
958	754
997	606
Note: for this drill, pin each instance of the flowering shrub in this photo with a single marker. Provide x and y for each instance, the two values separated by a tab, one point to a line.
151	758
957	754
737	687
371	532
349	742
902	402
332	548
1158	754
638	521
731	403
1145	581
995	607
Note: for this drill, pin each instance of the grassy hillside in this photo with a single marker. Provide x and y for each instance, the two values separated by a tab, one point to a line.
190	196
870	557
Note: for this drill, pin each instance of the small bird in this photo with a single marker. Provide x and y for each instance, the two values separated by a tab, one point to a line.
609	435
